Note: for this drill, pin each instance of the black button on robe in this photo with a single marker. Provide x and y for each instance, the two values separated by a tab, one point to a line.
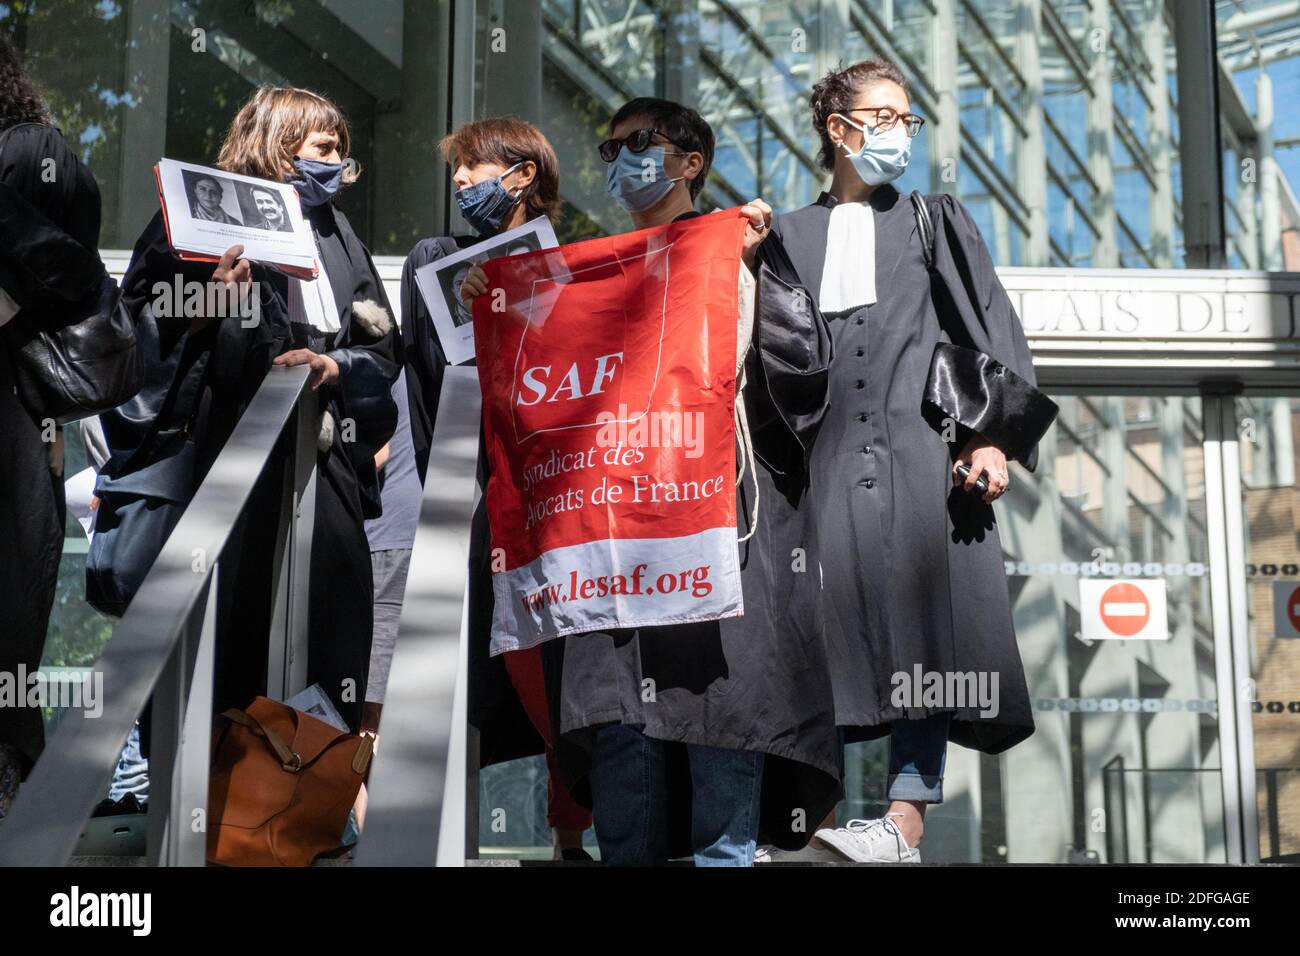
912	568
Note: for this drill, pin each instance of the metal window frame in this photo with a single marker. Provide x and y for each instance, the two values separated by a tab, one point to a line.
1229	611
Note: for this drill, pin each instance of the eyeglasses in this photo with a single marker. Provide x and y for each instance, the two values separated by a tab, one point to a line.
638	141
886	117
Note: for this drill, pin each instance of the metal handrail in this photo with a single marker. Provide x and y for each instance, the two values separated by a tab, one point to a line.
423	789
163	648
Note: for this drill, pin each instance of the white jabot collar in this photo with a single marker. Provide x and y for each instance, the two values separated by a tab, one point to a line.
849	276
312	301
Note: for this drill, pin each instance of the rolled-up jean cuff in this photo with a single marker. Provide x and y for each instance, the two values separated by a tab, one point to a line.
915	786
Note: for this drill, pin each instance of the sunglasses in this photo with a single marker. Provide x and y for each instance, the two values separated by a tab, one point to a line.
638	141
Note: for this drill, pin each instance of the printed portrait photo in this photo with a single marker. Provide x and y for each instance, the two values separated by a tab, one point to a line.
211	198
451	278
263	208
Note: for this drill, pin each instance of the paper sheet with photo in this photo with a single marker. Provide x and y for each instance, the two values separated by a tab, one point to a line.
440	281
208	210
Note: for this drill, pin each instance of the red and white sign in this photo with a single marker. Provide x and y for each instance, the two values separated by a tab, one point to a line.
608	372
1286	609
1123	610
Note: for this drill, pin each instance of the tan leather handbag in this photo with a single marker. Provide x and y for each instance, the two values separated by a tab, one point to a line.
281	785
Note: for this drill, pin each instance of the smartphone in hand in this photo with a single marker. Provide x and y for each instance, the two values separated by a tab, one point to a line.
981	483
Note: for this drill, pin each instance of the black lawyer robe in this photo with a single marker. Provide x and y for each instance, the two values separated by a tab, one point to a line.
912	568
209	377
49	236
505	732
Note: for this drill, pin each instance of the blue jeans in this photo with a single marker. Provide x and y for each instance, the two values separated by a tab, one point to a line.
131	775
629	789
918	750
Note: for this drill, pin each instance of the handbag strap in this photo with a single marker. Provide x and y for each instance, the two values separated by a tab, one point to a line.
290	760
925	227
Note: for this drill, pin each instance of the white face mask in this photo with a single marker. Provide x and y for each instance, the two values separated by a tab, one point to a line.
883	155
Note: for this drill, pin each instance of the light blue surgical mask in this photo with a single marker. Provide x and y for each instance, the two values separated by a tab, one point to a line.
883	155
636	183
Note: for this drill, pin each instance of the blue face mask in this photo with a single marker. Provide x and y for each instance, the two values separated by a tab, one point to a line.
883	155
636	184
485	205
317	183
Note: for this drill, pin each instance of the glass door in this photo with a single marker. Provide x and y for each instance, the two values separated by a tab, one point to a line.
1107	551
1269	428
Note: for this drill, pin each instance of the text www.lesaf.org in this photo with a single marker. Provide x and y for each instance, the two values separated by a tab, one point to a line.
577	587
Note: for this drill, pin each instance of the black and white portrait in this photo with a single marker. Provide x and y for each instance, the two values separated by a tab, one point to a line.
451	278
211	198
441	279
263	208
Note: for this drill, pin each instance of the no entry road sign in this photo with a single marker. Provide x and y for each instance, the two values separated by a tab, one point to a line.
1286	609
1123	610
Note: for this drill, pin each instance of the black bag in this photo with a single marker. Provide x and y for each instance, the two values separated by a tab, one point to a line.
974	388
142	498
68	367
136	514
70	360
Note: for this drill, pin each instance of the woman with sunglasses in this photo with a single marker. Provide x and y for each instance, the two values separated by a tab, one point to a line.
737	741
914	583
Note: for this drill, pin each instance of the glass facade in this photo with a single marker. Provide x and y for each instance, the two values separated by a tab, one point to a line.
1056	123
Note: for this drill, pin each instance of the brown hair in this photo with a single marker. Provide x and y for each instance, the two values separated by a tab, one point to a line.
507	141
837	90
20	98
275	121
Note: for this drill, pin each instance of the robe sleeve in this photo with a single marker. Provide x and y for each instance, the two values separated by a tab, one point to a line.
49	221
984	377
789	367
234	355
369	360
425	360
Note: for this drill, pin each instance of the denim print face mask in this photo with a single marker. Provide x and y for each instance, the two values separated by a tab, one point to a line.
485	205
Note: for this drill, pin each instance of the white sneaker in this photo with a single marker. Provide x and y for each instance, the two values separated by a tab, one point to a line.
809	854
870	841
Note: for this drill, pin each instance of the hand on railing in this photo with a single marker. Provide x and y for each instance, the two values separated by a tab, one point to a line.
324	370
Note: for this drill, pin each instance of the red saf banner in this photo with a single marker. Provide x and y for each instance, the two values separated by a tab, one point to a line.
608	372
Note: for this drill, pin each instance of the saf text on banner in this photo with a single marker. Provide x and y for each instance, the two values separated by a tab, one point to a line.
608	372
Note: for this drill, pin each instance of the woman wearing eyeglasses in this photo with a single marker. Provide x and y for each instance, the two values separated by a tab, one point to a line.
913	578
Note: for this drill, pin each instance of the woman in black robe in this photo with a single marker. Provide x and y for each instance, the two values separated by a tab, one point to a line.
202	373
506	174
912	565
49	264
